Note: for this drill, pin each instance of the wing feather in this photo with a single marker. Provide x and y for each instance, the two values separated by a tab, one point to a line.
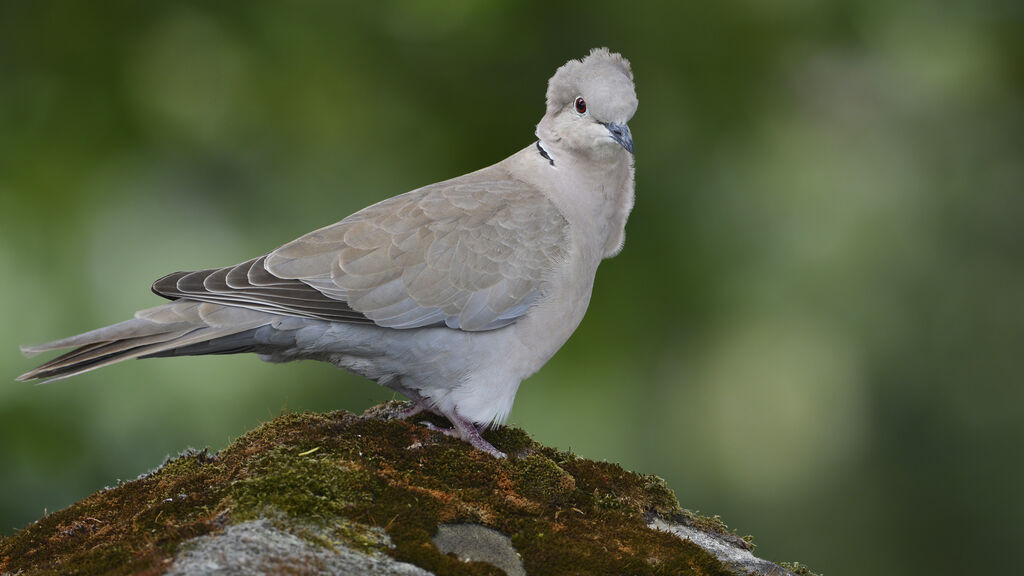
471	253
233	286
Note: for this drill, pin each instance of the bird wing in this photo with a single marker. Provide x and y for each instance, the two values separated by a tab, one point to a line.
250	285
470	253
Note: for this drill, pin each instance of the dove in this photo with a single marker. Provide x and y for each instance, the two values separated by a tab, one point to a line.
451	294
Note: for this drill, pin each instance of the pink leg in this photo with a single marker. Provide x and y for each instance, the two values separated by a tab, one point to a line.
462	428
410	411
465	430
419	404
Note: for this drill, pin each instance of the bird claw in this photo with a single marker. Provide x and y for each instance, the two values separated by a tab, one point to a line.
435	428
462	428
407	412
467	432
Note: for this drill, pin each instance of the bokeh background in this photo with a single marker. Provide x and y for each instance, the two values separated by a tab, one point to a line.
815	329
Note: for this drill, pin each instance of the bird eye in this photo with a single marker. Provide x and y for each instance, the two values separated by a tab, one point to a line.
581	105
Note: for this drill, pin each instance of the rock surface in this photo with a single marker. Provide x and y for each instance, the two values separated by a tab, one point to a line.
476	543
257	547
344	494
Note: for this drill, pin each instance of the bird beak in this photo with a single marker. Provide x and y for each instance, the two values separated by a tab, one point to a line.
621	134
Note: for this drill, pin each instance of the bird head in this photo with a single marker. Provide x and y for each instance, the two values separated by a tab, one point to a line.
589	103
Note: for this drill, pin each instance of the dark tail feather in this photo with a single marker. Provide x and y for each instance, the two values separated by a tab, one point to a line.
93	356
233	344
177	329
88	356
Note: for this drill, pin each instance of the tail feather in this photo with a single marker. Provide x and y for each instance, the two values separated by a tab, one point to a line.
238	343
90	353
182	325
179	314
87	364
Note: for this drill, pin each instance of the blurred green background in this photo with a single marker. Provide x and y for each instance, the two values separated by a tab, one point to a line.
815	329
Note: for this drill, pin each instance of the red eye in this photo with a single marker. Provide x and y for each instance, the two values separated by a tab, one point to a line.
581	105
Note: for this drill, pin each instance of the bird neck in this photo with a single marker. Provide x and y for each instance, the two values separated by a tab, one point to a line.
593	193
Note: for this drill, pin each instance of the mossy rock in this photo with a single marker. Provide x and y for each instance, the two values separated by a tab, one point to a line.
340	493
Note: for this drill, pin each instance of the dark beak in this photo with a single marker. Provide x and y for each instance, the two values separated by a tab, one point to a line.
620	133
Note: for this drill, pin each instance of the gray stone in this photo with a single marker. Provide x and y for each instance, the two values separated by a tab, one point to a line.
475	543
257	547
733	555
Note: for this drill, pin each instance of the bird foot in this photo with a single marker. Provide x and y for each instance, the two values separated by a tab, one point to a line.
406	413
466	431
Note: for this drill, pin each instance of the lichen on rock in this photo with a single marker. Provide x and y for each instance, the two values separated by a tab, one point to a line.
329	486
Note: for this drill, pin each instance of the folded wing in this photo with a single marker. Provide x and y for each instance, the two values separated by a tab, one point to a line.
470	253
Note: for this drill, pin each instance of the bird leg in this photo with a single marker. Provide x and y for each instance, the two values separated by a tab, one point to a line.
419	404
462	428
467	431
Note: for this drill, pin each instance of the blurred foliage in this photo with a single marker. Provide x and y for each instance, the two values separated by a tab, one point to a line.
815	329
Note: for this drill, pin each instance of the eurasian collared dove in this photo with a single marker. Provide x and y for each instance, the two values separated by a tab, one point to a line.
450	294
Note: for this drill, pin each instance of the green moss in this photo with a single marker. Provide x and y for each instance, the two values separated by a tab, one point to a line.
541	479
510	440
797	568
307	492
122	530
310	487
712	524
340	479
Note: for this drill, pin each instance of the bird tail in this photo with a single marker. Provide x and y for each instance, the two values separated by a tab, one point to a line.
182	327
